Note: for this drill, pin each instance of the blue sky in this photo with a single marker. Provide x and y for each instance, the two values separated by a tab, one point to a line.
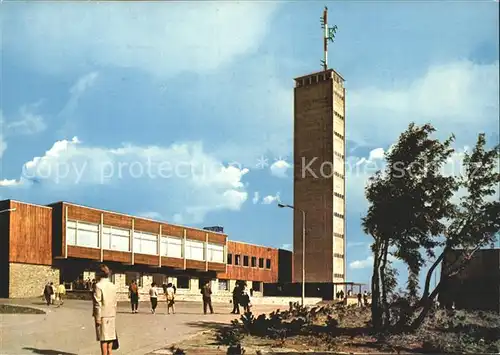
147	87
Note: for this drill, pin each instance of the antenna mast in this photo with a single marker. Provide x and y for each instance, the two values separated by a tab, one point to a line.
328	35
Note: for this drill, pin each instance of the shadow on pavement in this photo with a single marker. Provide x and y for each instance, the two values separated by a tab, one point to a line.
48	351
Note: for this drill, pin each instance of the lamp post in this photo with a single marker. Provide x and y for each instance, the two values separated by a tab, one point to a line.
280	205
8	210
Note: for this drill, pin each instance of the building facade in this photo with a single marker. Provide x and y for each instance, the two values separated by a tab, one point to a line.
319	177
64	242
477	286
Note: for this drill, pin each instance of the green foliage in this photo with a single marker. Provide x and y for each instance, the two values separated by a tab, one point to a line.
232	335
417	196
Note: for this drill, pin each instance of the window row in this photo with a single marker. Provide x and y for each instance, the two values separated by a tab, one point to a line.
338	135
338	175
340	155
339	276
87	235
338	195
338	215
338	235
338	115
337	255
248	261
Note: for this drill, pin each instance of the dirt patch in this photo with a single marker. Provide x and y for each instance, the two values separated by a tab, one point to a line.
10	309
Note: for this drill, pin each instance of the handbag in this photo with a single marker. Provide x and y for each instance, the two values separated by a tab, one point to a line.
116	343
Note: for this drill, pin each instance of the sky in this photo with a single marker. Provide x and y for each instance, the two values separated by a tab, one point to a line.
183	111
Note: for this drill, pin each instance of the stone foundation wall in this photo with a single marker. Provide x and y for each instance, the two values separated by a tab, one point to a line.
27	280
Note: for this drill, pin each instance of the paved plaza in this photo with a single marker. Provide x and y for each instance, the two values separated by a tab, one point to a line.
69	329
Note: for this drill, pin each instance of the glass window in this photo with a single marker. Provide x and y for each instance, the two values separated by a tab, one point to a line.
195	250
261	263
223	285
229	259
237	260
245	260
116	238
268	263
215	253
83	234
171	247
145	243
256	286
132	276
254	261
183	282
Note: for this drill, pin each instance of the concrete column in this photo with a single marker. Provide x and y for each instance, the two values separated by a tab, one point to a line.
184	249
159	247
194	285
101	227
132	241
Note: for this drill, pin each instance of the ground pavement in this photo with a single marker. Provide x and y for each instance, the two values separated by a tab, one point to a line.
69	329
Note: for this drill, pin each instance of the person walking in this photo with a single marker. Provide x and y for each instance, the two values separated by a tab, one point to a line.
61	292
153	296
206	292
133	293
48	291
170	297
360	304
104	311
365	298
236	299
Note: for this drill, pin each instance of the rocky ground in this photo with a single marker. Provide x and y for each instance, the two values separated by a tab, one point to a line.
443	332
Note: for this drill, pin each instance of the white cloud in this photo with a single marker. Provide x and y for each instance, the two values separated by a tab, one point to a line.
375	154
171	39
6	182
256	197
459	97
180	181
27	122
279	168
362	264
357	244
269	199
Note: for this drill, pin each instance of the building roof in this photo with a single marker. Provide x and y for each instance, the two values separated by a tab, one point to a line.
320	72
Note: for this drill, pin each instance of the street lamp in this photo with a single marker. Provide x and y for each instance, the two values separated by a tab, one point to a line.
280	205
8	210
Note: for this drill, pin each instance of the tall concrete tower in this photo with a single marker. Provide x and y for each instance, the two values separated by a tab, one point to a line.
319	173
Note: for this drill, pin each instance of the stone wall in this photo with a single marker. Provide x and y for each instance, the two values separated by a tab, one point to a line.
26	280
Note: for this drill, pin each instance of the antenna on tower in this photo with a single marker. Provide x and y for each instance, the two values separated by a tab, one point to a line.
329	35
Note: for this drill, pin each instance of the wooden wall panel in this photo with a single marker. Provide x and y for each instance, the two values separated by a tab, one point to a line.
216	267
217	238
195	234
145	259
117	256
195	264
174	231
30	234
84	253
172	262
144	225
249	273
116	220
83	214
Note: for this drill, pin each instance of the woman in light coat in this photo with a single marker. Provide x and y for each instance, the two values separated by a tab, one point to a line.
105	310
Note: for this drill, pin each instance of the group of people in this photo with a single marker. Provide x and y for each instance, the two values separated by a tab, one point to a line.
53	293
169	291
241	297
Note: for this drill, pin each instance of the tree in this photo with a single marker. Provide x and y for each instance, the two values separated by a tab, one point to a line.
476	220
408	201
411	210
